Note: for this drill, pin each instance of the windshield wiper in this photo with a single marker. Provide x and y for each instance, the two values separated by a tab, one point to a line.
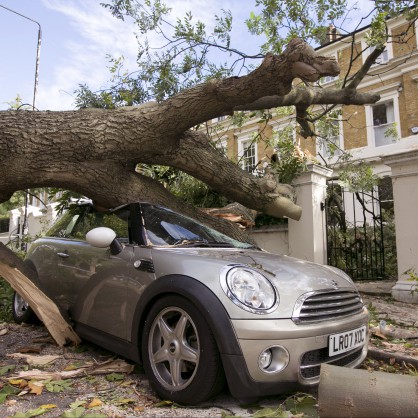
220	244
201	243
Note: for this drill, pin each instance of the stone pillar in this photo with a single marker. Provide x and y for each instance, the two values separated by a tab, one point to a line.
404	168
307	237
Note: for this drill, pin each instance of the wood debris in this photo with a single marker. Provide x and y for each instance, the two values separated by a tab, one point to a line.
110	366
35	360
234	212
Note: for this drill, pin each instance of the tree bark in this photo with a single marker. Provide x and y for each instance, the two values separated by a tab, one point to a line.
62	149
345	392
21	278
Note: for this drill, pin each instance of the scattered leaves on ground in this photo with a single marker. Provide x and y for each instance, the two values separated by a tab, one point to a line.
68	388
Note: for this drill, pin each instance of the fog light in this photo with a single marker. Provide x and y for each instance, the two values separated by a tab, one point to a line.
273	359
264	360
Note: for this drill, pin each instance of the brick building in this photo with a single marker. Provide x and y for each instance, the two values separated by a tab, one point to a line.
368	132
383	135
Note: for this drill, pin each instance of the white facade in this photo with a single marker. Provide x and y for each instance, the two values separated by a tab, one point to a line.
39	219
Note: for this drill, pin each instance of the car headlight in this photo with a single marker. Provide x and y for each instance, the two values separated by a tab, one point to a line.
249	289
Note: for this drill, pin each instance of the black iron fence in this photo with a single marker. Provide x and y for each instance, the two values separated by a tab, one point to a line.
4	224
361	231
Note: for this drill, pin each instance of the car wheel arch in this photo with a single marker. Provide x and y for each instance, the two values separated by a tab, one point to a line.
31	271
197	293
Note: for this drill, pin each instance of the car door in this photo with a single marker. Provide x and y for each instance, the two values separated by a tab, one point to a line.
91	283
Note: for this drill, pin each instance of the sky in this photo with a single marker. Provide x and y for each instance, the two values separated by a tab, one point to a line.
77	36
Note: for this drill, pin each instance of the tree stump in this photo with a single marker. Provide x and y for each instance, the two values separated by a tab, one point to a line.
345	392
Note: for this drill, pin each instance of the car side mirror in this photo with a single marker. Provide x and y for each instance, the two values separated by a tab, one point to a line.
103	237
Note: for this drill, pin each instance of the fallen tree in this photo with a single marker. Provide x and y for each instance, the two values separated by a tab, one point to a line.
345	392
89	151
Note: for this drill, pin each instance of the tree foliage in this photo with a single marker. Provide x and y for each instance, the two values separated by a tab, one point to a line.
177	53
281	20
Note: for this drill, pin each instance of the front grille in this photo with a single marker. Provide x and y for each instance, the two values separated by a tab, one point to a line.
326	306
310	365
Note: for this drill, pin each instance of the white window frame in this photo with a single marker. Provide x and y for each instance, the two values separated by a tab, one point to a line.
281	127
222	146
241	150
322	149
384	97
219	119
416	33
367	50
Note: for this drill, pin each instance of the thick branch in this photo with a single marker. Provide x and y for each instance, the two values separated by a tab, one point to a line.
111	184
306	96
273	77
370	60
195	151
29	159
302	117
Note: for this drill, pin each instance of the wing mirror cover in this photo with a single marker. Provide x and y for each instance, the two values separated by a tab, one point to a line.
103	237
100	237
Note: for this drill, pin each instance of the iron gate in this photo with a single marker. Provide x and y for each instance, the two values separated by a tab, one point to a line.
360	231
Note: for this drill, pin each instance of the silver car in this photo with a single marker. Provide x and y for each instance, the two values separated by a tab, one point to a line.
194	306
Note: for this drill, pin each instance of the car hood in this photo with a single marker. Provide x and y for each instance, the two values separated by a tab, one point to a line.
292	277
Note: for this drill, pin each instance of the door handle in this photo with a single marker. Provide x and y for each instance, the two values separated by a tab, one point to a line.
63	255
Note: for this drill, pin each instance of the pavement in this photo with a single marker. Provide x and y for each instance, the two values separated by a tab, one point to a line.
401	317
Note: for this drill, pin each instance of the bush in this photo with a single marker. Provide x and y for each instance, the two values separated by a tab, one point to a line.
6	293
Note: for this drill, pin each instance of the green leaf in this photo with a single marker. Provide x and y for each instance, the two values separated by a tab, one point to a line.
74	413
31	413
271	413
162	404
77	404
6	391
302	404
112	377
7	369
95	415
58	385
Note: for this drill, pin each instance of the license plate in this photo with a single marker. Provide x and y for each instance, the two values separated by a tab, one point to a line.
346	341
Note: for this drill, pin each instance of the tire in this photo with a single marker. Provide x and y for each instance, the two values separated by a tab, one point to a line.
22	312
179	352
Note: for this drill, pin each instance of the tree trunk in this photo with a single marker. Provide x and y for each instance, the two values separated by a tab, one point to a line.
96	150
345	392
21	279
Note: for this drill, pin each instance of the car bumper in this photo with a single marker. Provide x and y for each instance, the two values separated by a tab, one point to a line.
307	346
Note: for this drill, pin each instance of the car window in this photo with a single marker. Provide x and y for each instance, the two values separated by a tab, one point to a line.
165	227
117	221
64	225
77	221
